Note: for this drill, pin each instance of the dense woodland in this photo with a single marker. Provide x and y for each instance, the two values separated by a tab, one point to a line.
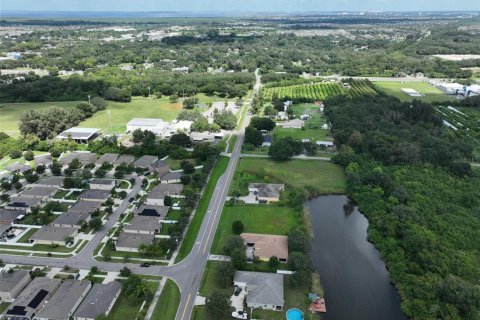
411	178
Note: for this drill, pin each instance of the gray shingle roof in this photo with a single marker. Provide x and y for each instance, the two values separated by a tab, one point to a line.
61	304
145	161
133	240
160	211
70	219
163	189
39	191
7	216
268	190
97	195
171	176
24	202
98	300
124	158
83	157
9	280
263	288
51	181
50	233
44	159
83	206
108	158
18	167
143	223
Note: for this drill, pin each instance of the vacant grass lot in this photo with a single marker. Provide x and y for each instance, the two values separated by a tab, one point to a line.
167	305
119	113
267	219
127	307
195	224
11	112
430	93
325	177
299	134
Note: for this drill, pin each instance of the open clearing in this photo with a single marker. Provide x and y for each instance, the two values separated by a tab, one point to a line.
267	219
396	89
325	177
11	112
299	134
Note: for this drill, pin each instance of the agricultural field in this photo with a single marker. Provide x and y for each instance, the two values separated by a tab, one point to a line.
11	112
429	92
325	177
319	91
466	121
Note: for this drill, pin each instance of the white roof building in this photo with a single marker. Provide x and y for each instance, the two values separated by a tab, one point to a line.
80	135
157	126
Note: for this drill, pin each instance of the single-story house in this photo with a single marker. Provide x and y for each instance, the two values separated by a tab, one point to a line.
23	203
159	166
292	124
156	195
124	158
79	135
94	195
65	300
181	126
53	182
144	225
12	283
171	177
83	206
8	216
145	161
265	246
130	242
99	301
84	158
109	158
326	144
152	211
33	298
43	160
53	235
266	192
18	167
39	192
202	136
102	184
71	220
267	140
264	290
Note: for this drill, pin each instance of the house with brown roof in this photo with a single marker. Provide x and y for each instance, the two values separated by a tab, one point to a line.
265	246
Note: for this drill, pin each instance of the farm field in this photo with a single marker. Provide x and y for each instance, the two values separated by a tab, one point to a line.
11	112
267	219
325	177
318	91
431	94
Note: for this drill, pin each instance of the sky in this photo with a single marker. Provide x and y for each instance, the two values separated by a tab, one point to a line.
239	5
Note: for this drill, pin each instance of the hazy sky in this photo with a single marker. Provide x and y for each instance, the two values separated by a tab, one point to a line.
239	5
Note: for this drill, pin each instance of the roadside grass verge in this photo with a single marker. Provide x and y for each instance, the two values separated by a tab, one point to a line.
266	219
127	308
168	303
192	232
324	177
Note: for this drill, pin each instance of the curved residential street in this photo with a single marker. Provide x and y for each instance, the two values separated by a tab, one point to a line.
187	273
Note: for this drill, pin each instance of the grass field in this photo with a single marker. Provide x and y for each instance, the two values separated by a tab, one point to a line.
121	112
430	93
192	232
267	219
127	308
11	112
167	305
323	176
298	134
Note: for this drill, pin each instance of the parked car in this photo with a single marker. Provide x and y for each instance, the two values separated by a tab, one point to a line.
237	291
239	315
131	200
145	265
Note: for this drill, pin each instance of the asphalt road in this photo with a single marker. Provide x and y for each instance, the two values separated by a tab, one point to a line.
187	273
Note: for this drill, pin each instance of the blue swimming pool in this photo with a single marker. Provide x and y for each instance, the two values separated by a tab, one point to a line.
294	314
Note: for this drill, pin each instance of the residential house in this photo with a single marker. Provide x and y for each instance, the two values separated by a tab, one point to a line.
266	192
12	283
53	235
171	177
125	159
39	192
159	167
23	203
102	184
18	167
325	144
157	194
33	298
79	135
265	246
152	211
94	195
109	158
145	161
52	182
144	225
83	206
264	290
84	158
45	160
8	216
99	301
71	220
130	242
65	300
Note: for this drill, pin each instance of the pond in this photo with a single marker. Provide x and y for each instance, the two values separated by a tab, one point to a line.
355	280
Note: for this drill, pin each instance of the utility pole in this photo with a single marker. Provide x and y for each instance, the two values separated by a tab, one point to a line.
88	98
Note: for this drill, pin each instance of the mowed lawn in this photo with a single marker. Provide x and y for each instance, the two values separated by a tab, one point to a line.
10	113
267	219
430	93
299	134
323	176
119	113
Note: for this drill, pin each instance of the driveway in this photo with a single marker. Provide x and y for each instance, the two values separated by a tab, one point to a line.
237	301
